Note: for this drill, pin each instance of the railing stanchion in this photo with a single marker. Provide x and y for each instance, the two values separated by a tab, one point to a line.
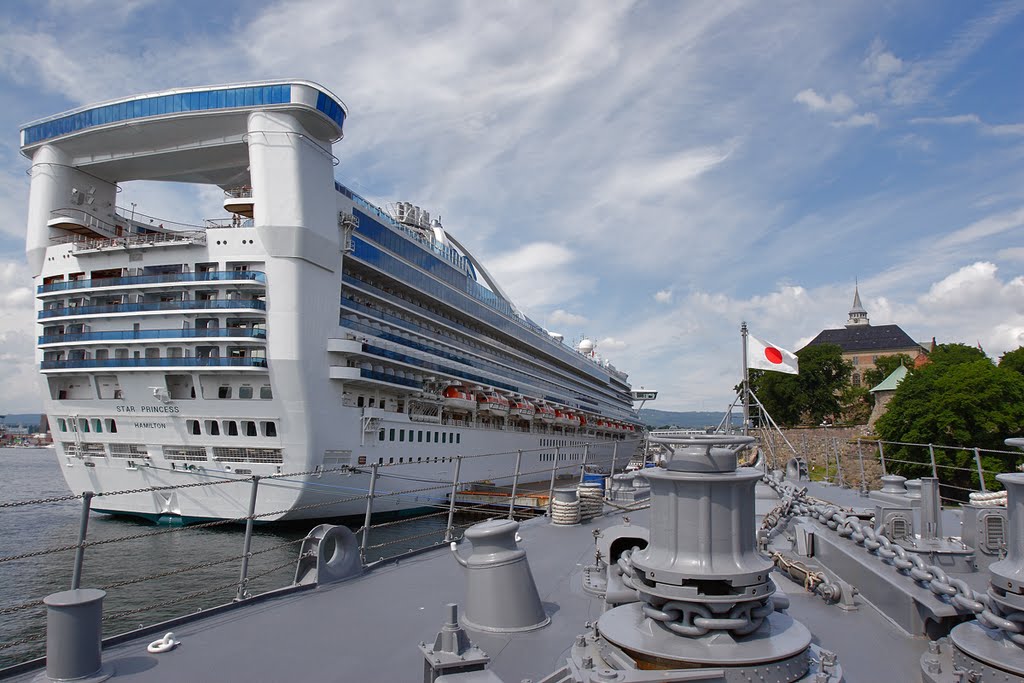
451	503
981	473
583	467
615	452
551	485
243	577
881	456
83	528
515	485
369	512
931	454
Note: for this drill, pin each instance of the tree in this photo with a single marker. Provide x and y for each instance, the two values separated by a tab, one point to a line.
959	399
1013	360
813	395
885	366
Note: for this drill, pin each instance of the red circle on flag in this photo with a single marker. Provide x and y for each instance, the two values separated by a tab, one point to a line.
773	355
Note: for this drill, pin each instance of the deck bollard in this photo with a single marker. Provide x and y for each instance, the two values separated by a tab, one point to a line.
74	632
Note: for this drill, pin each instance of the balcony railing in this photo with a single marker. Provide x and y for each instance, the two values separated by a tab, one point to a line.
145	240
203	304
383	377
212	276
187	361
122	335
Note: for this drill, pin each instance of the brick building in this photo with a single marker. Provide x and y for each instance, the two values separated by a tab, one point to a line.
862	343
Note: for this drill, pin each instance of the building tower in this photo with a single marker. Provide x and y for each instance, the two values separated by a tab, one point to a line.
858	315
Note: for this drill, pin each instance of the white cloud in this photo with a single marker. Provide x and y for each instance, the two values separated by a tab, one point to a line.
840	103
611	344
663	296
564	319
972	120
881	64
858	121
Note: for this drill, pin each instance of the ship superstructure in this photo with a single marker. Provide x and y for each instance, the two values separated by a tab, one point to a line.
307	330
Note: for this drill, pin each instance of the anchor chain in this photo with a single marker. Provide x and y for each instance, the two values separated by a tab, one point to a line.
952	590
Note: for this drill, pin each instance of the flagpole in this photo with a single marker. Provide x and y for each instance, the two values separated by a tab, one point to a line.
746	380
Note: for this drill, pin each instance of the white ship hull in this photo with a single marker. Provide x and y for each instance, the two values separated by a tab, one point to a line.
302	339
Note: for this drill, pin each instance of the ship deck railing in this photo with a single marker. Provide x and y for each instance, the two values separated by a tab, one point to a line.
456	501
160	278
860	462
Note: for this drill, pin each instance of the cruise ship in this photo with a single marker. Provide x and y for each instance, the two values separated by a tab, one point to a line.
304	331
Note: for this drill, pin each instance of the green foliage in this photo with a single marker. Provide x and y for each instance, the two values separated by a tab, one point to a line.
1013	360
810	397
856	404
884	366
959	399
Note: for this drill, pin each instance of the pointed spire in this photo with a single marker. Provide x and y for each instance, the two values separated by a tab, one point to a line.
858	314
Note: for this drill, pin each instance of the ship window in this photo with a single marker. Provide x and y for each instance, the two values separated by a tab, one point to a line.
401	434
213	428
245	391
444	437
112	425
231	427
391	434
62	424
265	392
401	461
193	427
391	461
435	437
380	461
249	427
419	436
224	391
371	401
269	429
97	425
83	424
380	435
360	401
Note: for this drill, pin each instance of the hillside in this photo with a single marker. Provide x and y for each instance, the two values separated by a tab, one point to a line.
686	420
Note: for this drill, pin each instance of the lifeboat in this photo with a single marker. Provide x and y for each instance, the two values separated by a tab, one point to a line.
545	414
492	404
561	418
523	410
458	400
573	420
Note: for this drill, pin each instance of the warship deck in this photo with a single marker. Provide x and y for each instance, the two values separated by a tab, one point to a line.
368	628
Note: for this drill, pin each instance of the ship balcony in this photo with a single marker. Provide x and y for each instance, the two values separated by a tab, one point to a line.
83	224
238	278
239	201
154	307
84	244
371	377
183	363
129	336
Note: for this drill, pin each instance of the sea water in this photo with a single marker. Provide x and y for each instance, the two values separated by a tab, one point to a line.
31	474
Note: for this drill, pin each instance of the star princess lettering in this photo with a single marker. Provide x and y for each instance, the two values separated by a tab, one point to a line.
151	410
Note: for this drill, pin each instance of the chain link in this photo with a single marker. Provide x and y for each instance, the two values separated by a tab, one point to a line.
910	565
39	501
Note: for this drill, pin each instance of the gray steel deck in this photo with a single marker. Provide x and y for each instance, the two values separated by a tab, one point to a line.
368	628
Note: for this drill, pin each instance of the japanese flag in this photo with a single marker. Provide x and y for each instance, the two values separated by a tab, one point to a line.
764	356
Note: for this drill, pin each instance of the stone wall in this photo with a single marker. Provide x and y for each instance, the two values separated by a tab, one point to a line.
814	444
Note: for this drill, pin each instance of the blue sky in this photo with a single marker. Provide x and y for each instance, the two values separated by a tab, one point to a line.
647	174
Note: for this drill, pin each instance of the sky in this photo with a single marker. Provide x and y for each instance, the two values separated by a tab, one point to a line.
644	174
